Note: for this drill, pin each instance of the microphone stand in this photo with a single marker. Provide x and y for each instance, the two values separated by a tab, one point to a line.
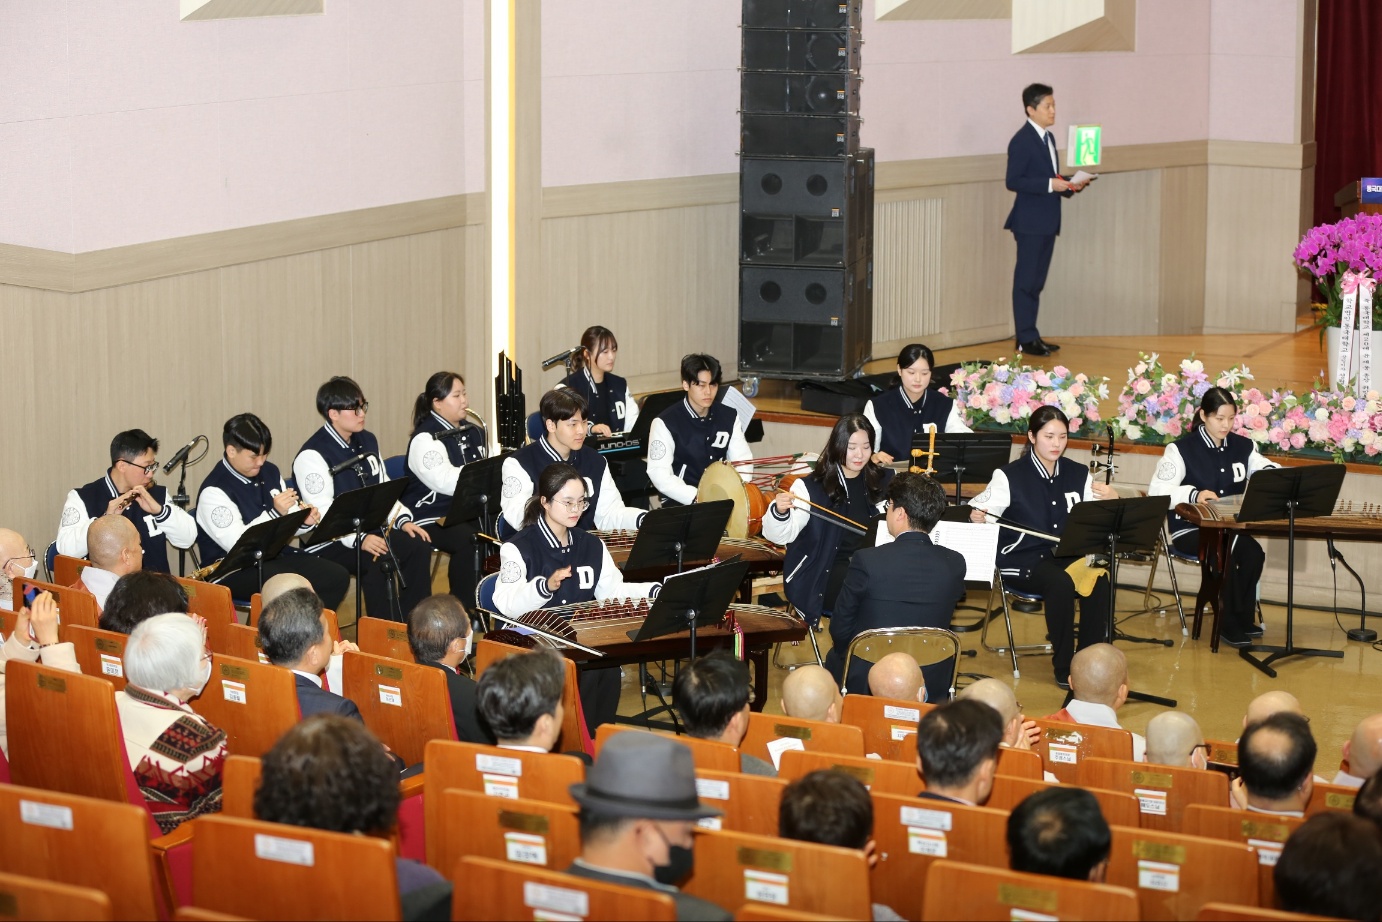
1362	633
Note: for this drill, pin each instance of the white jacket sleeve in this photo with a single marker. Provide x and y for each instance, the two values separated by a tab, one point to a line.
997	496
739	450
316	485
872	416
177	525
1169	479
72	527
630	410
518	488
953	422
783	529
515	593
1256	462
611	584
429	462
610	512
221	519
661	447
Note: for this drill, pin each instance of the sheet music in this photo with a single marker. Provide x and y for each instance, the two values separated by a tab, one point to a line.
978	544
741	405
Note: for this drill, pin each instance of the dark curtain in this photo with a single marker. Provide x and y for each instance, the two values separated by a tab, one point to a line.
1348	94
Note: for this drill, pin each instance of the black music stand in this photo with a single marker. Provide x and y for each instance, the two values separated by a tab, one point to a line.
476	495
967	456
1099	528
1288	492
261	542
696	598
357	512
678	534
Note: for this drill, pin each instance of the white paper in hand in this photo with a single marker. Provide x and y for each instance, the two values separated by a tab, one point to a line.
778	746
1081	177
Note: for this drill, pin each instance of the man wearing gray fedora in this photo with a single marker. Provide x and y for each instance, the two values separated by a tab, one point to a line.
638	811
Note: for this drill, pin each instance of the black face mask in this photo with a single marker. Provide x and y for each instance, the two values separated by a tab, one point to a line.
680	861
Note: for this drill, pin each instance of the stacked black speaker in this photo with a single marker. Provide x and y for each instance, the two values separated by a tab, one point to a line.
805	193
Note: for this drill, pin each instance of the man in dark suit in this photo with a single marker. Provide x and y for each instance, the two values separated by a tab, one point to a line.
957	751
1034	174
909	582
294	634
439	635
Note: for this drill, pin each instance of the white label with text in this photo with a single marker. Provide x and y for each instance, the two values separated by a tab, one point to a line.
764	887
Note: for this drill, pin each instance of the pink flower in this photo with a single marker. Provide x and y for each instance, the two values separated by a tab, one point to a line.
1142	386
1297	440
1173	427
1076	389
1349	403
1075	423
1060	371
1258	423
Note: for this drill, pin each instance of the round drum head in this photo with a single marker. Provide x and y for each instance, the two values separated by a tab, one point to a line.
721	481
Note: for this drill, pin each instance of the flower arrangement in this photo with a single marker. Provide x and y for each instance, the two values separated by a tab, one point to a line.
1158	406
1327	251
1000	395
1348	428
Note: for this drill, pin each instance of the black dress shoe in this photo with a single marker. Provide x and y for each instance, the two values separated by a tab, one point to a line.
1050	347
1035	347
1255	631
1234	639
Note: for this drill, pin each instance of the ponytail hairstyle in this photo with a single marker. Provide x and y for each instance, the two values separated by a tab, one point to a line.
594	340
1213	399
438	388
833	459
1039	418
908	357
549	484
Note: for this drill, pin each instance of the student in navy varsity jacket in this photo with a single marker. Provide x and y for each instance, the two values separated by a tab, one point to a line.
443	442
690	436
245	489
1210	463
563	442
552	562
909	407
342	404
1037	491
818	552
128	489
610	408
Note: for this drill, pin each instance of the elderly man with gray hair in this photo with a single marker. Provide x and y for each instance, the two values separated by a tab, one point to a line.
176	755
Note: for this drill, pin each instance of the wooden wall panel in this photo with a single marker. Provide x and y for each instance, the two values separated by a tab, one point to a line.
1184	203
908	256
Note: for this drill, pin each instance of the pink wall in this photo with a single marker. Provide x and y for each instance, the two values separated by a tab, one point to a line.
120	124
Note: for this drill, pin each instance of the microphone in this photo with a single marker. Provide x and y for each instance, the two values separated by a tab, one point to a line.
181	456
559	357
349	462
456	433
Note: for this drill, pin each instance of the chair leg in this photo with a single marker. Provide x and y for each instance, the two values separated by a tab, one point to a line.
1175	592
1151	577
1011	648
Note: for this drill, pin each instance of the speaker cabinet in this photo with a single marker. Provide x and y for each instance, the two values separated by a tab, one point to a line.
802	14
799	94
798	135
806	212
805	321
801	50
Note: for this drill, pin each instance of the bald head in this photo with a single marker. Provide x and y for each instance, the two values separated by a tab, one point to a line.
11	544
898	676
1364	749
1172	738
112	543
999	697
810	693
1099	674
275	586
1269	703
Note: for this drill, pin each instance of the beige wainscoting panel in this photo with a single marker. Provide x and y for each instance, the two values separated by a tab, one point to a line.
979	260
1184	201
908	254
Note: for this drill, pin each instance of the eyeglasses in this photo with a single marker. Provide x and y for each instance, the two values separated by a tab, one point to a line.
362	408
146	468
28	556
575	505
1195	749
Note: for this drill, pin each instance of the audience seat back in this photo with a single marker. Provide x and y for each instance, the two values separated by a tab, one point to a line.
1266	834
212	602
239	781
99	653
1223	753
912	833
750	802
75	606
1163	791
709	754
1227	912
8	620
519	891
240	641
252	702
762	912
767	730
882	775
406	705
1064	747
291	872
575	737
67	570
967	891
34	898
735	867
1019	763
530	832
889	725
1119	809
1330	797
379	637
1174	875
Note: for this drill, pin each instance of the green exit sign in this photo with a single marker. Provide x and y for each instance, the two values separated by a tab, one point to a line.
1086	143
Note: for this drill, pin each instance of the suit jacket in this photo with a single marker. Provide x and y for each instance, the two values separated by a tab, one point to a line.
910	582
315	700
461	688
1035	210
689	907
932	795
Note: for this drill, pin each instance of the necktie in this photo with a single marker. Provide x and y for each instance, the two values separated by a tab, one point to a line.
1051	147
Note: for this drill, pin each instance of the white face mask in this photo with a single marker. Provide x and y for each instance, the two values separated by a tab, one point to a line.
469	642
197	689
31	569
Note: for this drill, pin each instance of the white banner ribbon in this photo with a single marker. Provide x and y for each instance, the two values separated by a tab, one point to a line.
1341	370
1365	288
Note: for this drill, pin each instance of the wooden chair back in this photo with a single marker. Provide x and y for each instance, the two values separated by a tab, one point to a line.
1163	791
573	733
969	891
530	832
214	603
67	570
762	912
197	914
257	608
239	781
1330	797
520	891
1226	912
766	730
253	703
1064	746
298	873
912	833
1266	835
81	841
99	653
750	802
1174	875
240	641
507	773
707	754
1119	808
1019	763
735	867
889	725
379	637
75	606
8	621
1223	753
406	705
882	775
33	898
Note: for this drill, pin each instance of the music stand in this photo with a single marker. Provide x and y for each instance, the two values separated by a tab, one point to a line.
476	495
356	512
679	533
261	542
961	456
687	601
1288	492
1099	528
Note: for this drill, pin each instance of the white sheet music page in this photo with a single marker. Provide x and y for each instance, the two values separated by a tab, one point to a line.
977	544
